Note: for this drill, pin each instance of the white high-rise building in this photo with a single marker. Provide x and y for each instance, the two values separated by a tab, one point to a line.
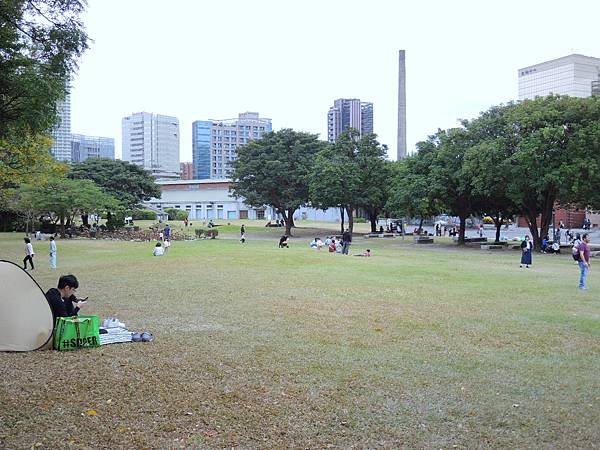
152	142
61	133
571	75
349	113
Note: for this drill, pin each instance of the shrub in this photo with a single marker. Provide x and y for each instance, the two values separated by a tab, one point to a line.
488	220
142	214
176	214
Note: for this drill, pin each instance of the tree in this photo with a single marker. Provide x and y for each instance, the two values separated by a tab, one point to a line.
27	159
410	193
40	43
553	155
62	199
333	182
374	177
450	180
275	171
350	174
128	183
489	164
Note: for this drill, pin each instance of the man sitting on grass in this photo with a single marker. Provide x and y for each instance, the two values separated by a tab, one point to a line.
62	298
283	242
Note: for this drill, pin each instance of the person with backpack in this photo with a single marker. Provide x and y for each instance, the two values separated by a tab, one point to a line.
584	260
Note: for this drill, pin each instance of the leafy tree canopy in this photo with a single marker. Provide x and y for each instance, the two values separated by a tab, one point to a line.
275	171
40	42
27	160
62	199
128	183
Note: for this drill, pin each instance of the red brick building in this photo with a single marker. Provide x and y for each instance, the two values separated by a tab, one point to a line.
187	170
571	218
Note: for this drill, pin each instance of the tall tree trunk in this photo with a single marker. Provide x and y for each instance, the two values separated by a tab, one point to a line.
373	220
531	217
349	210
545	219
288	223
420	229
342	220
462	230
291	217
62	225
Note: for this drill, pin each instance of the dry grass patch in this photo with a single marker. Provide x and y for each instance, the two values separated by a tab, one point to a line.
266	348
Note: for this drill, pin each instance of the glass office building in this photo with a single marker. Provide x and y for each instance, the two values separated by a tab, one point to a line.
84	147
215	142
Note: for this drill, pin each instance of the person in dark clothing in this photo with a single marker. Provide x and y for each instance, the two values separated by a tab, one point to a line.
283	242
242	230
62	299
346	241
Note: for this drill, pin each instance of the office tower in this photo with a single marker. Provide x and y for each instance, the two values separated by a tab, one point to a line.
349	113
214	142
401	151
84	147
61	133
151	141
570	75
187	170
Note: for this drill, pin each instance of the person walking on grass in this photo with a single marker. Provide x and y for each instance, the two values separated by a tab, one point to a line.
29	254
584	260
52	253
526	250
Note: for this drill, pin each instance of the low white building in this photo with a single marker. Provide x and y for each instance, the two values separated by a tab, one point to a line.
211	199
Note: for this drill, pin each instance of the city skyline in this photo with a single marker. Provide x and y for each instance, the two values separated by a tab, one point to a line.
459	61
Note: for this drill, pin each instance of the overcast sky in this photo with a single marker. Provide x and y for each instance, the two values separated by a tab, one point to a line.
289	60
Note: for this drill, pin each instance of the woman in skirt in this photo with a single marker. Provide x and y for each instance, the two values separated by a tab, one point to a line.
526	248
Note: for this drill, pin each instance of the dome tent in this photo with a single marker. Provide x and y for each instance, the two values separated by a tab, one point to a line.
25	315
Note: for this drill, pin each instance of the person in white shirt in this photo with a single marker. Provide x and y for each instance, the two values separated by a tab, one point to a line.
158	250
52	253
167	244
29	253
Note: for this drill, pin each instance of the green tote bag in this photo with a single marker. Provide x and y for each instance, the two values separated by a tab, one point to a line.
76	332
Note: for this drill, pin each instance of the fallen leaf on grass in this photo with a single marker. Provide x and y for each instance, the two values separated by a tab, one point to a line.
91	412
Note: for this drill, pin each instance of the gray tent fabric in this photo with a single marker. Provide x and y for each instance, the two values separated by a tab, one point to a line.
25	315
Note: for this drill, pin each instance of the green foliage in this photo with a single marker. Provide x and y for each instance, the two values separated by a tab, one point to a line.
25	158
62	199
410	194
142	214
115	220
352	173
128	183
176	214
531	155
275	171
40	42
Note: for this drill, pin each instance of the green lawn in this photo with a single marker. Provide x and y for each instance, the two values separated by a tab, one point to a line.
260	347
